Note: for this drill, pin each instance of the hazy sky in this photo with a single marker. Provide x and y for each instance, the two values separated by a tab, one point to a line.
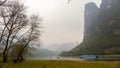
63	22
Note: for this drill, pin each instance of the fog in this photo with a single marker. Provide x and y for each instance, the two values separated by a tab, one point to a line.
63	22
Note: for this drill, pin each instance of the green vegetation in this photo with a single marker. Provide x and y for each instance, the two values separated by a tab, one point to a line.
61	64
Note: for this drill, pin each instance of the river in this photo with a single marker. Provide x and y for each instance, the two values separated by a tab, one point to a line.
72	58
56	58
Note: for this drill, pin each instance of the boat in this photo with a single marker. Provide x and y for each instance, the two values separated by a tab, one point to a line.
88	57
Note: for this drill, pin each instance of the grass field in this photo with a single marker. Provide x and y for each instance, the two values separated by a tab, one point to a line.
61	64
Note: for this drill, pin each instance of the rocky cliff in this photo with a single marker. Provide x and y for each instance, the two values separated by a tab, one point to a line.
101	29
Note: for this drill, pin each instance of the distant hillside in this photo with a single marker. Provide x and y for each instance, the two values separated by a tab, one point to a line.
60	47
101	30
40	52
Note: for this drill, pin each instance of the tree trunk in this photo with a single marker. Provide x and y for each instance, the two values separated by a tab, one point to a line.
4	57
21	58
5	50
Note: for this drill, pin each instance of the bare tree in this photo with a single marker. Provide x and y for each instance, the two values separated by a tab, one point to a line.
13	20
33	34
2	2
17	27
15	50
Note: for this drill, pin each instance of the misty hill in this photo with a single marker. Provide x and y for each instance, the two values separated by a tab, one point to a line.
60	47
40	52
101	30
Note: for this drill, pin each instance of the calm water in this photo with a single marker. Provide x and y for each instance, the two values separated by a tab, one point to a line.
72	58
56	58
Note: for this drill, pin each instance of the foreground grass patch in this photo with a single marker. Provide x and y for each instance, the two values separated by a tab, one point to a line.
62	64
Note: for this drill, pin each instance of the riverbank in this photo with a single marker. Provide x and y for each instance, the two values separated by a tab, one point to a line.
61	64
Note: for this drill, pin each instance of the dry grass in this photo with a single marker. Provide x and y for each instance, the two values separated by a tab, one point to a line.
62	64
